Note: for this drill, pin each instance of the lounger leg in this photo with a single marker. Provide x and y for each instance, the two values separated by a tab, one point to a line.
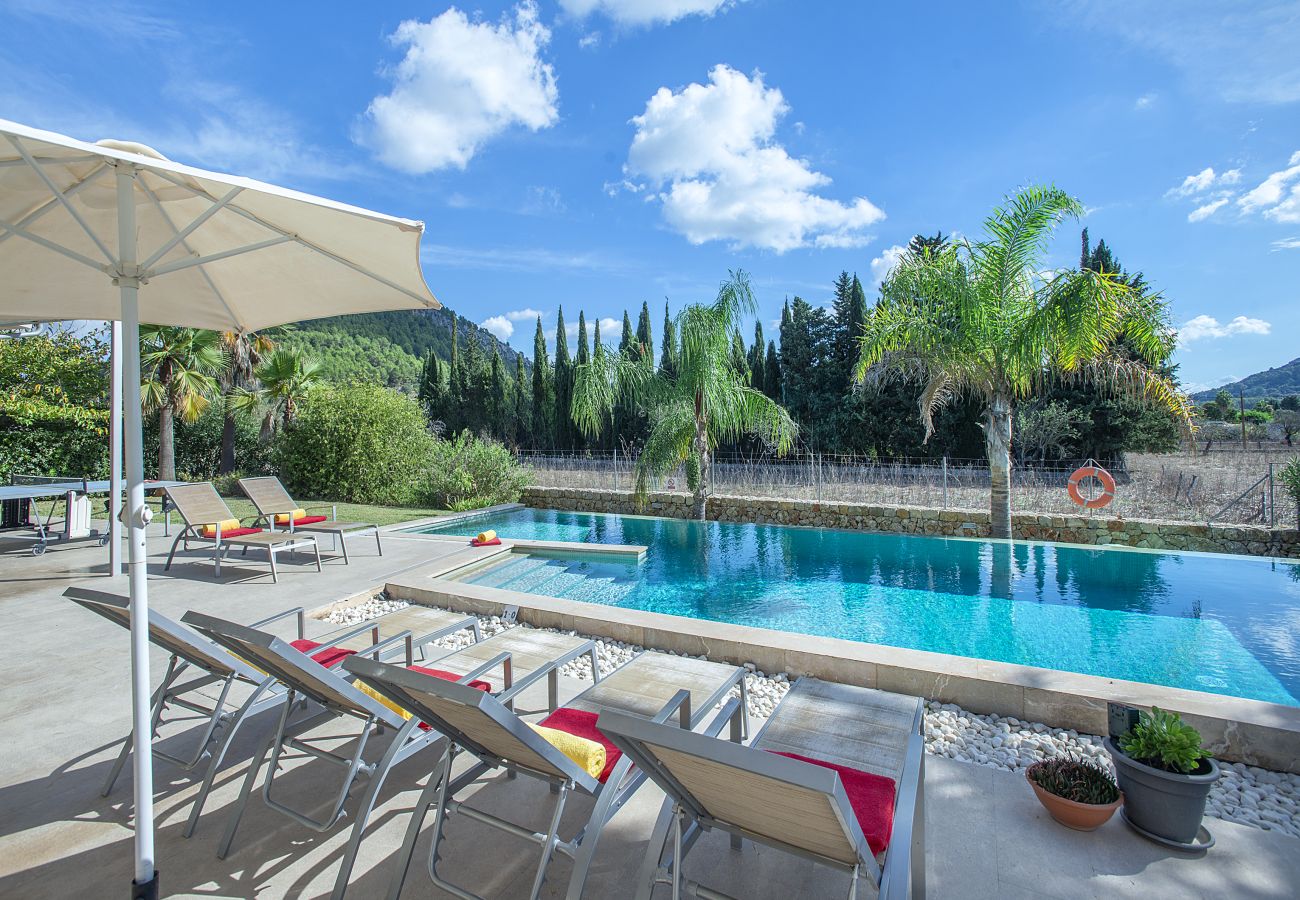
237	813
918	838
440	823
343	545
159	698
648	876
378	545
180	537
853	885
548	847
270	553
607	803
437	780
217	758
677	853
316	546
739	724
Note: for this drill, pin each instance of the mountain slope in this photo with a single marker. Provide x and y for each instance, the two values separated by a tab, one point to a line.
1278	382
390	347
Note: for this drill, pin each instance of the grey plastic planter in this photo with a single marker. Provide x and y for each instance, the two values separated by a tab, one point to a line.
1160	804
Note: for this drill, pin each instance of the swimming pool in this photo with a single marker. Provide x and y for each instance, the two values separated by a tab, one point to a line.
1206	622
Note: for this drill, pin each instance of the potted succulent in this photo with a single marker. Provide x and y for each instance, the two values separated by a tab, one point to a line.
1165	775
1077	792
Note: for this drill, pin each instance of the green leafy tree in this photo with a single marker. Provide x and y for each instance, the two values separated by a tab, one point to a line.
704	403
287	378
978	319
543	390
180	368
245	351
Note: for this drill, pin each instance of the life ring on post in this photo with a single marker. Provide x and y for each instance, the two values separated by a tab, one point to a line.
1101	476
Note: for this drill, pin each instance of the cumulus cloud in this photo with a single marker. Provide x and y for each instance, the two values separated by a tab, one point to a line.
1271	191
644	12
709	152
1205	327
885	262
1204	212
523	315
1204	180
498	325
460	84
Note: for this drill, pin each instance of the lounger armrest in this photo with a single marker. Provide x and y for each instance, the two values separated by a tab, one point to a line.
349	635
297	611
723	717
375	649
681	704
506	662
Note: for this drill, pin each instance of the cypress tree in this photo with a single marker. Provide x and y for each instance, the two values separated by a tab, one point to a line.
563	387
498	396
518	430
543	399
739	362
583	353
668	361
627	341
457	386
644	336
473	387
756	379
772	372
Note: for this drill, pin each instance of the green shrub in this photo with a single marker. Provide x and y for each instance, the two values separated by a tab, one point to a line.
1073	778
469	473
197	446
1163	741
357	443
1289	475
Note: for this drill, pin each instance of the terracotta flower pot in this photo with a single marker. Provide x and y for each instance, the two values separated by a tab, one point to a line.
1079	816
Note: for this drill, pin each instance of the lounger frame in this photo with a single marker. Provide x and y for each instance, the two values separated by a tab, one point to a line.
269	496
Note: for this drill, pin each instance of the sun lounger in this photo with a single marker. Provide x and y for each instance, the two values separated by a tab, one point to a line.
202	509
836	776
656	686
217	671
277	509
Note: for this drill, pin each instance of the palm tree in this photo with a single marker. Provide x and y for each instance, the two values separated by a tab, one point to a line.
287	377
245	351
703	402
180	365
987	319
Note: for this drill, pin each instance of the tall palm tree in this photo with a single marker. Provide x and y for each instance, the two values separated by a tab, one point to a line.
180	366
988	319
703	402
287	377
245	351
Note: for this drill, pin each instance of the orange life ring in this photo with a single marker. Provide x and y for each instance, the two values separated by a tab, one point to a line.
1103	478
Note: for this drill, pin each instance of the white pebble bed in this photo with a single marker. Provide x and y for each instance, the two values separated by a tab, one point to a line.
1244	794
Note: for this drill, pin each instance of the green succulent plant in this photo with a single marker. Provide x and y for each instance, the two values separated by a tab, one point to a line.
1074	778
1163	740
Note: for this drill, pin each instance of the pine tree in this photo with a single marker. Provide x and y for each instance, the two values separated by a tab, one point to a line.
563	420
772	372
543	392
756	379
644	336
668	361
626	342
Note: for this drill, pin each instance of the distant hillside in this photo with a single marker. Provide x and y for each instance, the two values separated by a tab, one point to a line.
1271	383
390	347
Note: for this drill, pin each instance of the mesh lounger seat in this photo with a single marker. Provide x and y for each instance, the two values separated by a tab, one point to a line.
858	759
201	506
272	501
655	686
216	671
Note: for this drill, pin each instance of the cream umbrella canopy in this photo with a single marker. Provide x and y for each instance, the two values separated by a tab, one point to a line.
114	231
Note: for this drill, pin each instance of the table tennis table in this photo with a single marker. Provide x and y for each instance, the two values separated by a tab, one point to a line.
29	488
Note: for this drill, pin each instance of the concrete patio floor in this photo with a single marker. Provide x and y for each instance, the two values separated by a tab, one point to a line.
64	706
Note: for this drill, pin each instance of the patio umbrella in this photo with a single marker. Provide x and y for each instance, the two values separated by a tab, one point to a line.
114	231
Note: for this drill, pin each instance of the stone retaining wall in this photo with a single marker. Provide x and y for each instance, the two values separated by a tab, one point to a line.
1158	535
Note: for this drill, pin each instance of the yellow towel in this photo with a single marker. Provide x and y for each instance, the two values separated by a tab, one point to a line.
486	536
286	518
227	526
589	755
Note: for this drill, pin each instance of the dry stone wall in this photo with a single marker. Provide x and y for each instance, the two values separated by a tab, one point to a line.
1157	535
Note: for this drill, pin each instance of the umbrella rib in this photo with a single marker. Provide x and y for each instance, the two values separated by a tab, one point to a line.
50	245
252	217
186	244
61	160
190	228
213	257
51	204
54	189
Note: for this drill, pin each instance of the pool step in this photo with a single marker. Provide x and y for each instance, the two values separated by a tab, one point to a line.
553	578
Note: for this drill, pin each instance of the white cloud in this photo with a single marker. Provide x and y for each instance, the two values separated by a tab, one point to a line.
1146	100
523	315
710	151
882	264
1204	327
589	40
460	84
1287	244
498	325
1271	190
1204	212
644	12
1204	180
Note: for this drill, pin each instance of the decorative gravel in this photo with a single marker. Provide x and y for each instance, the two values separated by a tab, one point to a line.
1244	794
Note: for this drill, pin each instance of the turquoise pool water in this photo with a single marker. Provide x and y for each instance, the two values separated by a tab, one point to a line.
1224	624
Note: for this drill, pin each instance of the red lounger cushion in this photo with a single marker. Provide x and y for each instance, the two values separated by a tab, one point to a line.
479	683
580	723
870	795
236	532
308	520
326	658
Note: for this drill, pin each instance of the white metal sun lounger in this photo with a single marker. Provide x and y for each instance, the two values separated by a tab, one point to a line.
657	686
220	671
795	805
271	499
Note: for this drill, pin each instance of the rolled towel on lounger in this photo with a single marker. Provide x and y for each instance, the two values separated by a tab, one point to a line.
589	755
485	539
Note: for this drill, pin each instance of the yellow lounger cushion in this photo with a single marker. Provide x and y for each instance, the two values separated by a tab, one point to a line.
286	518
227	526
589	755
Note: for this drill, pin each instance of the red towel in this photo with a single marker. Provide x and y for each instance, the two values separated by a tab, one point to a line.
580	723
326	658
479	683
870	795
474	542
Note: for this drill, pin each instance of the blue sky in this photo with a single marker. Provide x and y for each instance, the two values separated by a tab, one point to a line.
601	153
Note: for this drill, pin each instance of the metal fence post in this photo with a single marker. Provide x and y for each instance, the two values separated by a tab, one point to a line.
1272	500
945	482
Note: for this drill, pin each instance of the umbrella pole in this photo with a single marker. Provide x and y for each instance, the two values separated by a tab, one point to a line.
145	884
115	450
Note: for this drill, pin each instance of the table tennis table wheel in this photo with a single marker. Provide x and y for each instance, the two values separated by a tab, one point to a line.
38	550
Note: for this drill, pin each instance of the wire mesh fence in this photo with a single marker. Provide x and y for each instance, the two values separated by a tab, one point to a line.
1223	487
